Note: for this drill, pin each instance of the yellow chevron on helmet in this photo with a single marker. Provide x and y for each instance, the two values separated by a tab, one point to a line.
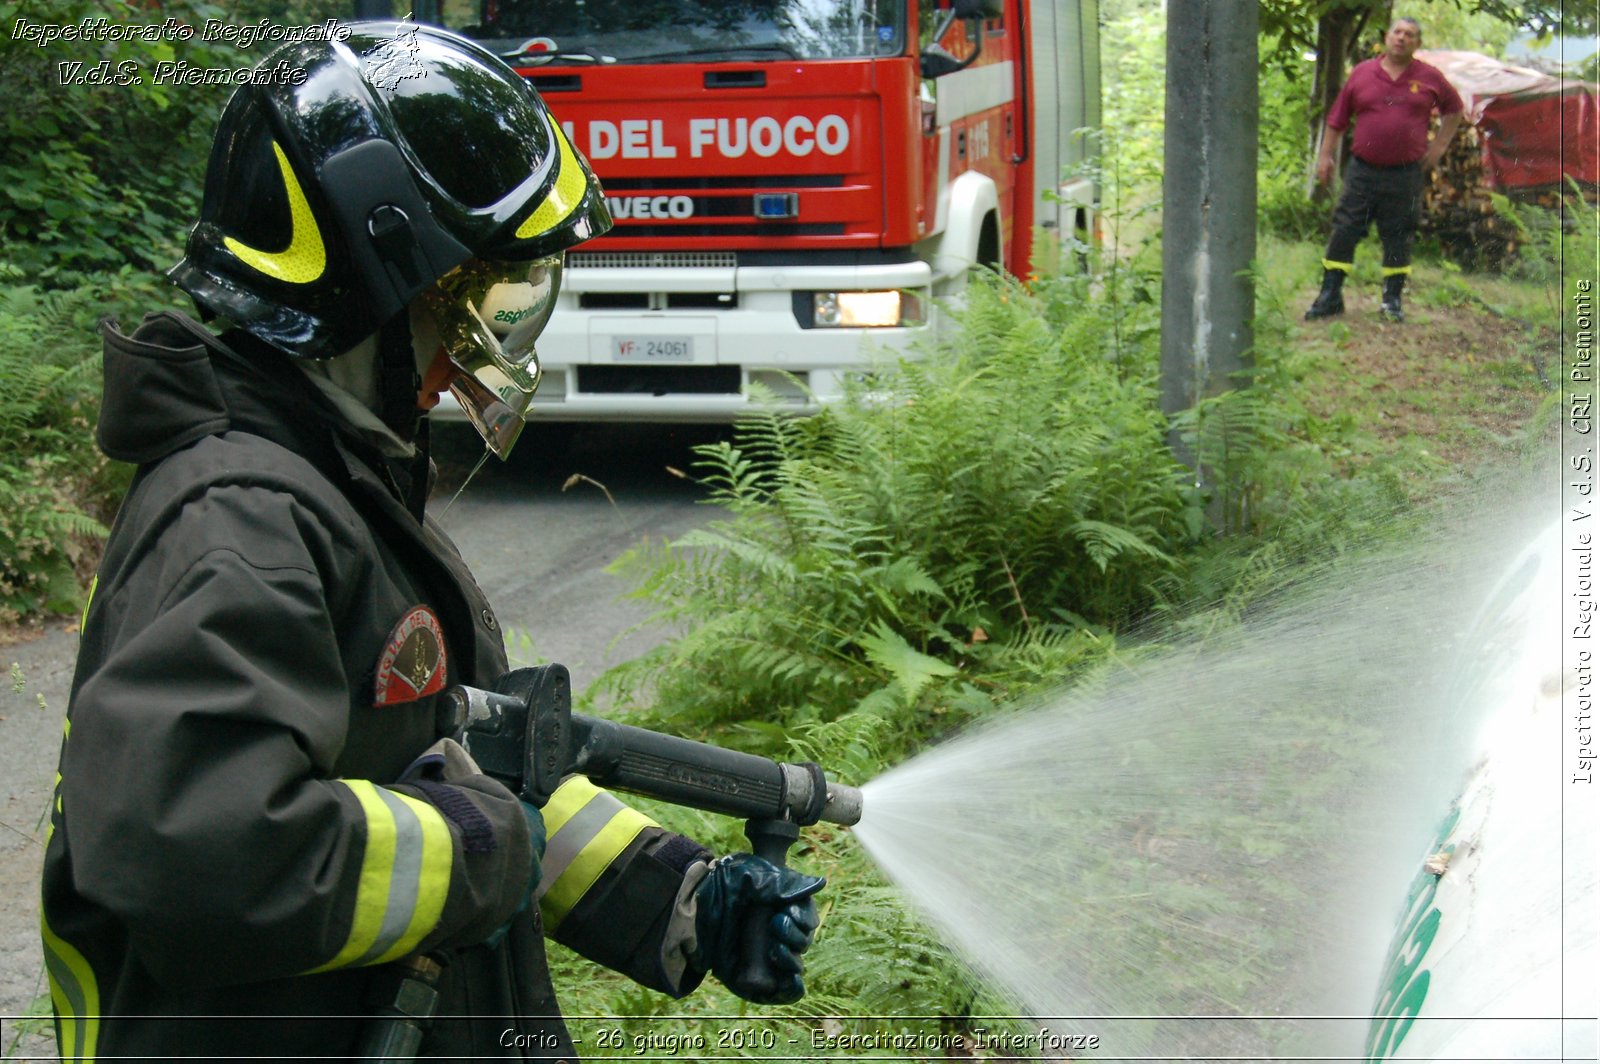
303	261
572	183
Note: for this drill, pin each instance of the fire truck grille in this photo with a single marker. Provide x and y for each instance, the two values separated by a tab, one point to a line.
737	229
651	259
650	184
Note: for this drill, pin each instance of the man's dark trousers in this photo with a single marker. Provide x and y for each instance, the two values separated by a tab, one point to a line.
1389	195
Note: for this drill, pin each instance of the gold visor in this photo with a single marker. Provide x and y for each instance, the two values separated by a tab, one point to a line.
490	314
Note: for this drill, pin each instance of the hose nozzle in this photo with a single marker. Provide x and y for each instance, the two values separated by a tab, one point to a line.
809	796
843	805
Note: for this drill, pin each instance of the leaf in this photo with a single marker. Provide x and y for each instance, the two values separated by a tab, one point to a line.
881	703
911	669
908	577
1105	542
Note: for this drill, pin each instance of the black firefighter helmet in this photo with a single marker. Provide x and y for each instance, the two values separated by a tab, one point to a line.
403	156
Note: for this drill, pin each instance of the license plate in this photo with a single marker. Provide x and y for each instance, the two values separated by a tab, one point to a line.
652	348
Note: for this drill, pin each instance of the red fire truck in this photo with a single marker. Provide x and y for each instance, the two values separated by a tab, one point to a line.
793	180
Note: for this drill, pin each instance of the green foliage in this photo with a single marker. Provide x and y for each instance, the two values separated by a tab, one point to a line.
1448	24
1545	235
963	520
41	530
967	528
1291	487
1134	65
1284	205
97	176
1294	24
56	489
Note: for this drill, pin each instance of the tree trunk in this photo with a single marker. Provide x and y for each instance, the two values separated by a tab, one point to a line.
1339	33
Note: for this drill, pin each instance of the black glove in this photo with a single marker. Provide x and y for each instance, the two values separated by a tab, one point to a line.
739	887
536	835
447	762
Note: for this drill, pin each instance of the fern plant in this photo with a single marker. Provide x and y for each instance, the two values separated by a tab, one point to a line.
55	486
1006	499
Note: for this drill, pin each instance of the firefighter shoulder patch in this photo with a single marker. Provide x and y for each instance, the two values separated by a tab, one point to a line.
413	663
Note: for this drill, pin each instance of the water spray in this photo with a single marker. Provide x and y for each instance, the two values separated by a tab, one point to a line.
1334	828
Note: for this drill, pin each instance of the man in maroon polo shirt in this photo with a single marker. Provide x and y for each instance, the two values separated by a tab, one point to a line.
1392	99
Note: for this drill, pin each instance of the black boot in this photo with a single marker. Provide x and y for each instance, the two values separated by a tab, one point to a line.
1329	301
1392	287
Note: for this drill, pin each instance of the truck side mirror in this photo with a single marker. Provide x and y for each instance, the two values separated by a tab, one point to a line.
956	43
936	64
977	8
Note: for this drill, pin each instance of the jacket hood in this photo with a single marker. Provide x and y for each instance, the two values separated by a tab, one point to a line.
173	382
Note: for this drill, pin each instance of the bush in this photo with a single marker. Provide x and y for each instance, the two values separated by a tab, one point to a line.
1284	207
95	177
56	489
965	530
959	523
1285	210
1549	238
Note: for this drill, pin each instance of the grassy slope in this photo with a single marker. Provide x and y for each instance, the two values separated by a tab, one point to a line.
1432	402
1452	389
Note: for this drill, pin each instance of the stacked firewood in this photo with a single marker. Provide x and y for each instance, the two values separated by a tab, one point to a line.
1458	212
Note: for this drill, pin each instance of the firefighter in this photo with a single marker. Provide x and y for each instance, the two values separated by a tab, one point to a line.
1391	97
256	809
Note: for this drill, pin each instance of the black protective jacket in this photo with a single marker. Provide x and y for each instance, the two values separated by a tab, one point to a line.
243	830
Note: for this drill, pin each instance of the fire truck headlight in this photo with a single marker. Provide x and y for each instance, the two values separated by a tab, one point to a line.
864	309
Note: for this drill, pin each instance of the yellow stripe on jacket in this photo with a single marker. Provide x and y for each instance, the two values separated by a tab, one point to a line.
588	830
405	876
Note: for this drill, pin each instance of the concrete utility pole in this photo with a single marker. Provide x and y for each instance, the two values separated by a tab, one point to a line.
1208	201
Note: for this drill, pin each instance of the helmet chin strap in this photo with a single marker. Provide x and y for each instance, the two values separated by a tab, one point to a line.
398	379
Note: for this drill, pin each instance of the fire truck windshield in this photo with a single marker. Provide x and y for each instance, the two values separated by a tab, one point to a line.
658	31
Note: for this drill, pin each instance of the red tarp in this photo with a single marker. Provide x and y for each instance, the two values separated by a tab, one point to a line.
1535	129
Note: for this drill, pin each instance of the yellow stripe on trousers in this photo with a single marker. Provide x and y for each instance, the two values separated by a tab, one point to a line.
75	995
